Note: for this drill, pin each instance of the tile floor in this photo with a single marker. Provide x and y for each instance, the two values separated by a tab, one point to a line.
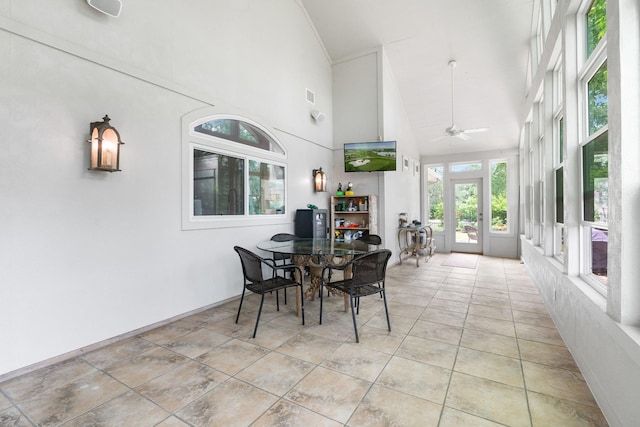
468	347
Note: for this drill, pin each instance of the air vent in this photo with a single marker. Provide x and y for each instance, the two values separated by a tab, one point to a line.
311	97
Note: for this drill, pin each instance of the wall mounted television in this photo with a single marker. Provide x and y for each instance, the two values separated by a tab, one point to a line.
370	156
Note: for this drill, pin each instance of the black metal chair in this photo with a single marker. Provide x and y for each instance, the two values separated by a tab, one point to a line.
372	239
281	259
367	278
255	281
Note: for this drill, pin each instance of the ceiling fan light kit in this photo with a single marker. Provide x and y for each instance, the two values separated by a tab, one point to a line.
454	130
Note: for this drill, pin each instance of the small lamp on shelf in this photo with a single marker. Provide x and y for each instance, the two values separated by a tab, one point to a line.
319	180
105	146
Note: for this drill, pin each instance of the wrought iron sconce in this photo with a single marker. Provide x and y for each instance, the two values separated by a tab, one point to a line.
319	180
105	146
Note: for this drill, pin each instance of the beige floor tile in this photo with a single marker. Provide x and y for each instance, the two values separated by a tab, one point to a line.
276	373
533	318
453	296
454	418
172	422
126	349
488	292
234	403
487	399
398	323
493	312
308	347
495	326
490	366
560	383
144	366
539	334
329	393
182	385
56	405
401	375
412	299
233	356
548	410
125	410
533	307
436	353
380	339
270	335
487	341
450	305
437	331
167	333
400	309
197	342
4	402
12	417
491	301
384	407
447	317
285	413
26	386
357	361
555	356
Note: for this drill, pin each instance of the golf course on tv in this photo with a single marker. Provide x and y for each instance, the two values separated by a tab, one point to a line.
370	157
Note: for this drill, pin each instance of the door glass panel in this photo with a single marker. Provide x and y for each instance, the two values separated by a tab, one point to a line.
466	211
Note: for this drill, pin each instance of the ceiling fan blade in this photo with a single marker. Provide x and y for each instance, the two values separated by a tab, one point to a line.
462	136
439	138
476	130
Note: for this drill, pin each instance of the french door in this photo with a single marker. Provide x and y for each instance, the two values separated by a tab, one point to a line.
466	234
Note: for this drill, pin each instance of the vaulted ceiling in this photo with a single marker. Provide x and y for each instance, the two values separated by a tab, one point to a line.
488	39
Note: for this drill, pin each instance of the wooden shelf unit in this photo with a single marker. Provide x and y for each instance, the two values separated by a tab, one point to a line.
357	213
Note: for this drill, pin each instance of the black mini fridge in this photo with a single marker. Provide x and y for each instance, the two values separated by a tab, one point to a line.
311	223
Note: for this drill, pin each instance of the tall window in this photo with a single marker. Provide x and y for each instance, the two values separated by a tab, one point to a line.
595	147
236	172
499	196
558	161
435	198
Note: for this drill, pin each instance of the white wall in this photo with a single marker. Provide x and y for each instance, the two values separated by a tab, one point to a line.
606	352
86	256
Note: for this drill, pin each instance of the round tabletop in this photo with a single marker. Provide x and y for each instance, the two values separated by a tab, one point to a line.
316	246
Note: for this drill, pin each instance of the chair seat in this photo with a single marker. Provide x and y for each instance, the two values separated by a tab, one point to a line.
346	286
272	284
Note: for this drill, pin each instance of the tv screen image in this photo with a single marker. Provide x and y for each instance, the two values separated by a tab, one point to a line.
370	156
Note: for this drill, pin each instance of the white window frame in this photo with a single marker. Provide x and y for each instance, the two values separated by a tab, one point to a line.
192	140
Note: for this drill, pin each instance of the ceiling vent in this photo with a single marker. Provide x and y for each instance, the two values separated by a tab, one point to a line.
311	97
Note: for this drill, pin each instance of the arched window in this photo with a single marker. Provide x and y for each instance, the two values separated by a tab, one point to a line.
234	173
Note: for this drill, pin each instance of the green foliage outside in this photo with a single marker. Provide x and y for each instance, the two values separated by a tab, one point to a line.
596	24
499	196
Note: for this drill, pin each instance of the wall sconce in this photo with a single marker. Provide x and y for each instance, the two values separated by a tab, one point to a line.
105	146
319	180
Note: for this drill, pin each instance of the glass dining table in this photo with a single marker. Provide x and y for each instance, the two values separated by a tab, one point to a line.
316	253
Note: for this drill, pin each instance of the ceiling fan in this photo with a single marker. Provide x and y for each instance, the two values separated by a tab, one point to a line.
454	130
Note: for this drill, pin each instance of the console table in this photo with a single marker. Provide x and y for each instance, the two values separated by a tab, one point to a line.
416	241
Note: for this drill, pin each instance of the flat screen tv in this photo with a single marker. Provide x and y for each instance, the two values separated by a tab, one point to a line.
370	156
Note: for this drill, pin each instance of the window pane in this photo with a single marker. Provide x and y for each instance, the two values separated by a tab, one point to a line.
595	172
240	132
597	99
499	196
218	184
466	167
266	188
559	196
596	24
599	243
435	197
561	139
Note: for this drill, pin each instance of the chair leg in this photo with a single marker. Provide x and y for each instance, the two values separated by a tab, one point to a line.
301	303
353	315
321	293
259	313
240	306
384	298
278	300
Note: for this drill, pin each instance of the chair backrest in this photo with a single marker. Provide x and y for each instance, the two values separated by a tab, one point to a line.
282	237
370	268
372	239
251	264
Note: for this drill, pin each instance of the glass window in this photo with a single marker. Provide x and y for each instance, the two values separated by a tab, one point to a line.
241	132
597	99
499	196
218	184
596	24
435	198
561	139
595	173
560	195
234	174
266	188
464	167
